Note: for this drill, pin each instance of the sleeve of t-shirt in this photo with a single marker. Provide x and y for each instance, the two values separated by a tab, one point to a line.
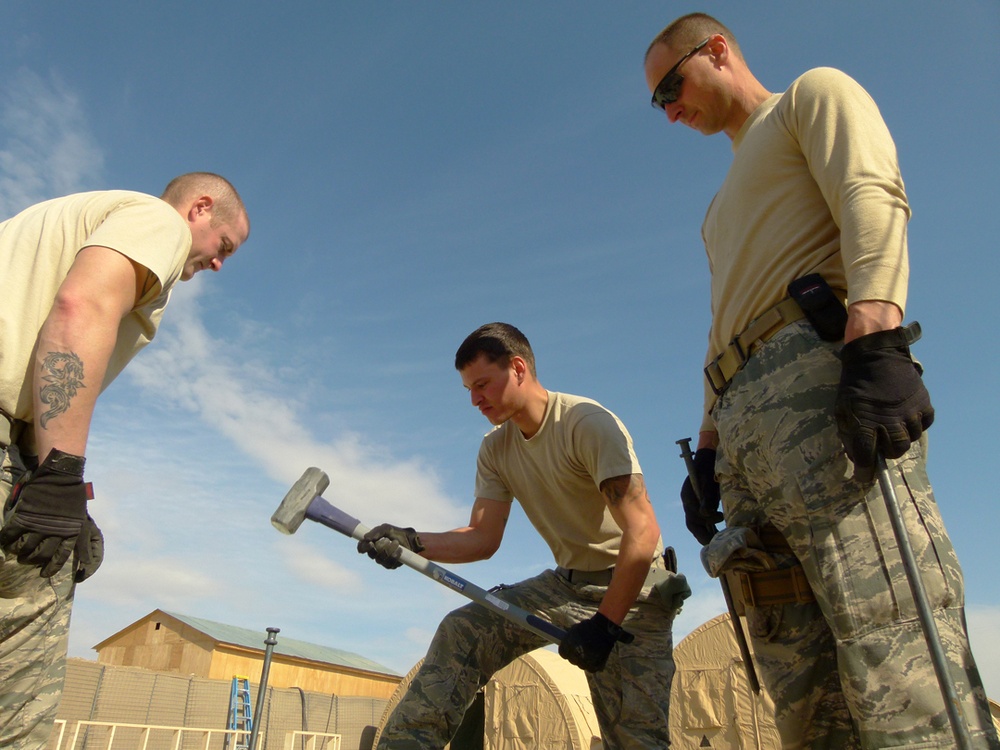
603	445
852	157
489	483
150	232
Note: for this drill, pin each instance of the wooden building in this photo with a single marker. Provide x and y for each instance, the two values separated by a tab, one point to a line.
171	642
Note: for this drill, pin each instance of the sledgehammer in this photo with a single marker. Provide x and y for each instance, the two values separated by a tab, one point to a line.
304	500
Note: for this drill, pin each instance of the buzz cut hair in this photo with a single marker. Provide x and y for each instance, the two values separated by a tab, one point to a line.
498	342
690	30
228	206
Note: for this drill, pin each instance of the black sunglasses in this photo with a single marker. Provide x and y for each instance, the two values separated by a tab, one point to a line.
668	90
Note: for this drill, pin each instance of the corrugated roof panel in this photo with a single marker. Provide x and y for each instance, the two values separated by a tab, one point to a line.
285	646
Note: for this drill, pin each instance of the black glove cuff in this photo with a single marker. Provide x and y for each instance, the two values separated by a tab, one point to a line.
413	538
58	462
607	627
895	338
704	461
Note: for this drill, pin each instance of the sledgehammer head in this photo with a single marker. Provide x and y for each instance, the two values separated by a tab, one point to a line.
292	511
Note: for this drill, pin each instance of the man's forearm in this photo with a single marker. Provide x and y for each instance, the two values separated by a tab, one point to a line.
871	316
457	546
629	504
75	345
631	569
69	368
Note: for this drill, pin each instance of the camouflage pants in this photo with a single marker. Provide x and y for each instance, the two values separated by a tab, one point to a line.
631	694
851	669
34	631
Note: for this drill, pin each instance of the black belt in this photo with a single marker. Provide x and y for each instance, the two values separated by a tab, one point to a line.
589	577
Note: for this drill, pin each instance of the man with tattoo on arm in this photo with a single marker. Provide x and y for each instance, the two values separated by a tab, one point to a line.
571	465
84	280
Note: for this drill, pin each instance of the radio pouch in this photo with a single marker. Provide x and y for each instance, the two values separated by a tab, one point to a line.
822	308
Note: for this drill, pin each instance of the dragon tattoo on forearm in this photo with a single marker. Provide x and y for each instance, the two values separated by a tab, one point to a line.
63	374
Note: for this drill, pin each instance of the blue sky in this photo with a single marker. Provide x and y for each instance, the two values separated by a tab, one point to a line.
412	171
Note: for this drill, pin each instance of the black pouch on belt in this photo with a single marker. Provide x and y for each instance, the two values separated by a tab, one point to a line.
823	309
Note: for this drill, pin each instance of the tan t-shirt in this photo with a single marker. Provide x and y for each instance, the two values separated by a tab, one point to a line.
37	248
814	187
556	476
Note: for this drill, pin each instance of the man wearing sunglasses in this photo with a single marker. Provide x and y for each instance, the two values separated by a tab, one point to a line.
809	378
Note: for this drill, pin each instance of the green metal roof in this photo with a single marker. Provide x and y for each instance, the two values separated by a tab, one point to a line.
254	639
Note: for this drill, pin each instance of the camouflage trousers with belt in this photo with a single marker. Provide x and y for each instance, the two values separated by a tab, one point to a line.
34	632
851	669
631	694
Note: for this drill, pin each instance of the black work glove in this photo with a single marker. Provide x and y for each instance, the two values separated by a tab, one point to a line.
882	404
46	512
89	551
386	553
588	644
700	516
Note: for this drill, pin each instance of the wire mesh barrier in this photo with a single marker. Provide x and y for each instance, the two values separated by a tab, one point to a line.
312	741
137	708
118	736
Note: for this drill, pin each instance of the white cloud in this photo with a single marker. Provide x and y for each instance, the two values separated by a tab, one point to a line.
311	567
47	148
240	400
175	581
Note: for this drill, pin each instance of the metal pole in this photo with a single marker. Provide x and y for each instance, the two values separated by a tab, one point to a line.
741	639
951	704
262	688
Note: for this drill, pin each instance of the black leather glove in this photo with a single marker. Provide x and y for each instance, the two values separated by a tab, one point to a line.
46	512
588	644
386	553
882	404
700	516
89	551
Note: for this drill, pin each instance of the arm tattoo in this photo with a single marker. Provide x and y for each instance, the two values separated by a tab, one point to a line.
617	489
63	371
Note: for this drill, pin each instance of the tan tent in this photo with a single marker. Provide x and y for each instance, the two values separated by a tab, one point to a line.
711	703
539	701
542	701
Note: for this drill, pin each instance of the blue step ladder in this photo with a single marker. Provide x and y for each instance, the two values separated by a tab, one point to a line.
240	714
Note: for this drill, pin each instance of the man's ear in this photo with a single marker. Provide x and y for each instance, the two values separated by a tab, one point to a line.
520	367
200	206
718	46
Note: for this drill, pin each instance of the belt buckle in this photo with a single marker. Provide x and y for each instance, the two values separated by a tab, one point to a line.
741	357
710	371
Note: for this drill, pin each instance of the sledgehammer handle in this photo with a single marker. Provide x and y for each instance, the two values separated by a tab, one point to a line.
323	512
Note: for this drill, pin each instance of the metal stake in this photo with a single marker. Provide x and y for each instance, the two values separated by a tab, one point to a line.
741	639
269	643
953	707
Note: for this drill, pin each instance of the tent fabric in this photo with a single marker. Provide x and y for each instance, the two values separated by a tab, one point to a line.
538	701
542	701
711	703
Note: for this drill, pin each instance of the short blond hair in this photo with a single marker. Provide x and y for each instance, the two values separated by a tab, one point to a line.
228	205
690	30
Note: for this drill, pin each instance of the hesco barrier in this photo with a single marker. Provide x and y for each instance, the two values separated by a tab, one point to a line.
100	692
